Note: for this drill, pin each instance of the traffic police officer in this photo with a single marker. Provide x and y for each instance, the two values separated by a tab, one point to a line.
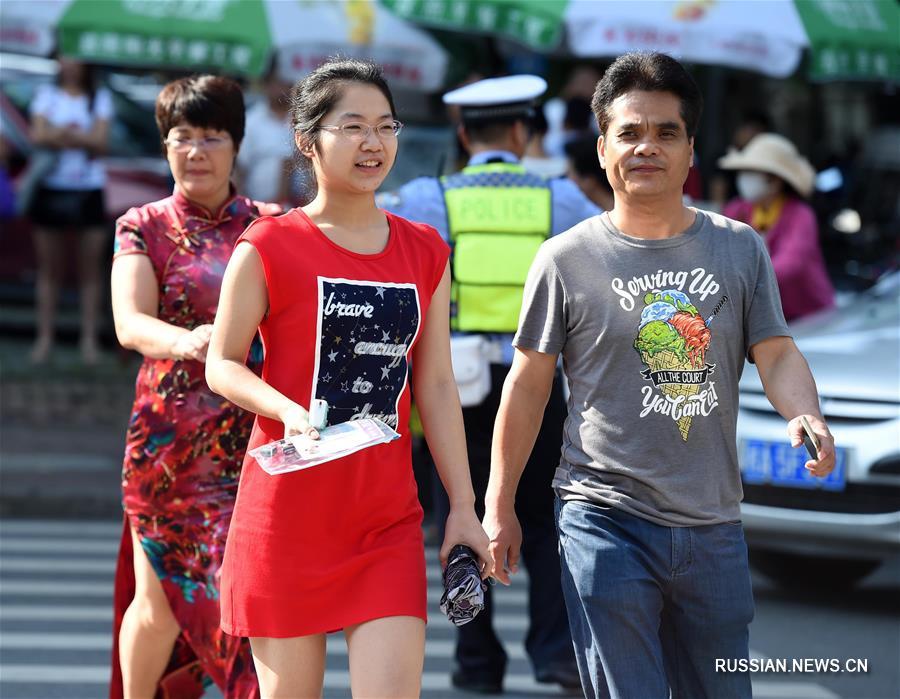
495	214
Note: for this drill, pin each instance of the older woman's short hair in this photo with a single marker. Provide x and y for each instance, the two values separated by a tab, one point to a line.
204	101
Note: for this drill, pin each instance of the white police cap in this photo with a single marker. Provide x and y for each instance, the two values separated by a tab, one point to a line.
497	97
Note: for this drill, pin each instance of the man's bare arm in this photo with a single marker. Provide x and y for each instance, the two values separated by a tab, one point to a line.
525	393
790	387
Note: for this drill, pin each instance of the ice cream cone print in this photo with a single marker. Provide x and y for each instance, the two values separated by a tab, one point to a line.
673	337
670	361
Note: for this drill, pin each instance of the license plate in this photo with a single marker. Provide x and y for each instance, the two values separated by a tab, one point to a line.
778	463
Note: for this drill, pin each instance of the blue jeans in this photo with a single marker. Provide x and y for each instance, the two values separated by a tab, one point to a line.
651	608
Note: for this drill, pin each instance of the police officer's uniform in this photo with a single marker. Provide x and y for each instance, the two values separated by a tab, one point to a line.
495	215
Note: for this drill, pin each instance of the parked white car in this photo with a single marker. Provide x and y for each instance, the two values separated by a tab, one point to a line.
803	530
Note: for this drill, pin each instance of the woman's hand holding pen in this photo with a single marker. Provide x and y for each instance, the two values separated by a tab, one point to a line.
296	421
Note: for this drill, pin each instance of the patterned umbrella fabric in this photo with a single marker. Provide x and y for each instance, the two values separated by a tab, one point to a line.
28	26
847	39
241	37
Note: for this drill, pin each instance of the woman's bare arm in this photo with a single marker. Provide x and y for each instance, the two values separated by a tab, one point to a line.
135	305
242	305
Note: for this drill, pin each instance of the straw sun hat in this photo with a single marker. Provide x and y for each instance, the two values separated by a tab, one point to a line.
773	154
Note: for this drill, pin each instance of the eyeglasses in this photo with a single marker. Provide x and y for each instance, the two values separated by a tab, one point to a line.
210	143
358	131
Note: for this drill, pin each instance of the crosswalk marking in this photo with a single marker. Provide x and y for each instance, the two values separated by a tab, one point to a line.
104	588
101	641
66	590
55	641
58	565
55	612
71	531
58	612
56	588
506	596
772	689
83	546
59	575
56	674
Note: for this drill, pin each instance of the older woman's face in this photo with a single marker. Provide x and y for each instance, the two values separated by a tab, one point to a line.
201	160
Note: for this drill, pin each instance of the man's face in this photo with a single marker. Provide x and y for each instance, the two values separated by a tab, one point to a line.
646	150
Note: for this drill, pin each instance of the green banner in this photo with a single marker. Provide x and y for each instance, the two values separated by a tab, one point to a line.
231	36
535	23
853	40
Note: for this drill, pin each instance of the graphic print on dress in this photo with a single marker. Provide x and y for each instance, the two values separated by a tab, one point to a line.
672	342
365	330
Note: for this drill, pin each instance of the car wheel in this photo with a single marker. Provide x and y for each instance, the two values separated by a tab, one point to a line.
795	571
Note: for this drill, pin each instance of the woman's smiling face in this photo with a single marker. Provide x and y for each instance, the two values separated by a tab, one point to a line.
354	162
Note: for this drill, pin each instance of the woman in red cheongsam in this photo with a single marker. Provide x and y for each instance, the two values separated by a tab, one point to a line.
185	444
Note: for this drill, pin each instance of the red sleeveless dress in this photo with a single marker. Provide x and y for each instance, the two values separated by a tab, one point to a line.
341	543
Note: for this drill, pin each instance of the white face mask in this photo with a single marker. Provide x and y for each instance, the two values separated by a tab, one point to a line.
752	186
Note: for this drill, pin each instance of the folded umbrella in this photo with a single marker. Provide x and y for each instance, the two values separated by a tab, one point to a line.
464	589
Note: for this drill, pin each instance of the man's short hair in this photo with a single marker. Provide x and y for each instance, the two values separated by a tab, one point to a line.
491	130
650	72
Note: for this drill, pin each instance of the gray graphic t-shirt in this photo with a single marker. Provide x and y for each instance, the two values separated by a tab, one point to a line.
653	336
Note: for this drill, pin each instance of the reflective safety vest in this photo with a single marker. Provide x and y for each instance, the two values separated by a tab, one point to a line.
498	216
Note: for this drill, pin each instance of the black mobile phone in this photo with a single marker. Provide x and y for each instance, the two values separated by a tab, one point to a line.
810	440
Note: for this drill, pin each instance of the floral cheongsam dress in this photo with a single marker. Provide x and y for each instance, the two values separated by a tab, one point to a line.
184	448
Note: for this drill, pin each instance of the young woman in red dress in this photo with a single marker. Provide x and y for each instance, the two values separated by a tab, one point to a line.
351	303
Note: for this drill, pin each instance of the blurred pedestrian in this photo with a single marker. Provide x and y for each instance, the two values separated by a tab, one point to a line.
495	215
347	298
722	185
185	444
460	156
70	129
773	182
264	161
7	193
585	171
569	114
654	563
536	159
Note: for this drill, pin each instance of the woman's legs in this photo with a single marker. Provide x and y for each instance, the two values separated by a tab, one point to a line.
148	631
50	253
90	264
386	657
289	668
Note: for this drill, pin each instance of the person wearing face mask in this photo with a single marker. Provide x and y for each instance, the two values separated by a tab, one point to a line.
773	180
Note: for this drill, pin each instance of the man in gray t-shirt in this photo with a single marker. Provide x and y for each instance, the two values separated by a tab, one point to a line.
654	307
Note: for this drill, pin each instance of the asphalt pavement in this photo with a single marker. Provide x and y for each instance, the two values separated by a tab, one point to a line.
62	431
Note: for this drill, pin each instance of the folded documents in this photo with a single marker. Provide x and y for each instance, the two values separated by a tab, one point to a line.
299	451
